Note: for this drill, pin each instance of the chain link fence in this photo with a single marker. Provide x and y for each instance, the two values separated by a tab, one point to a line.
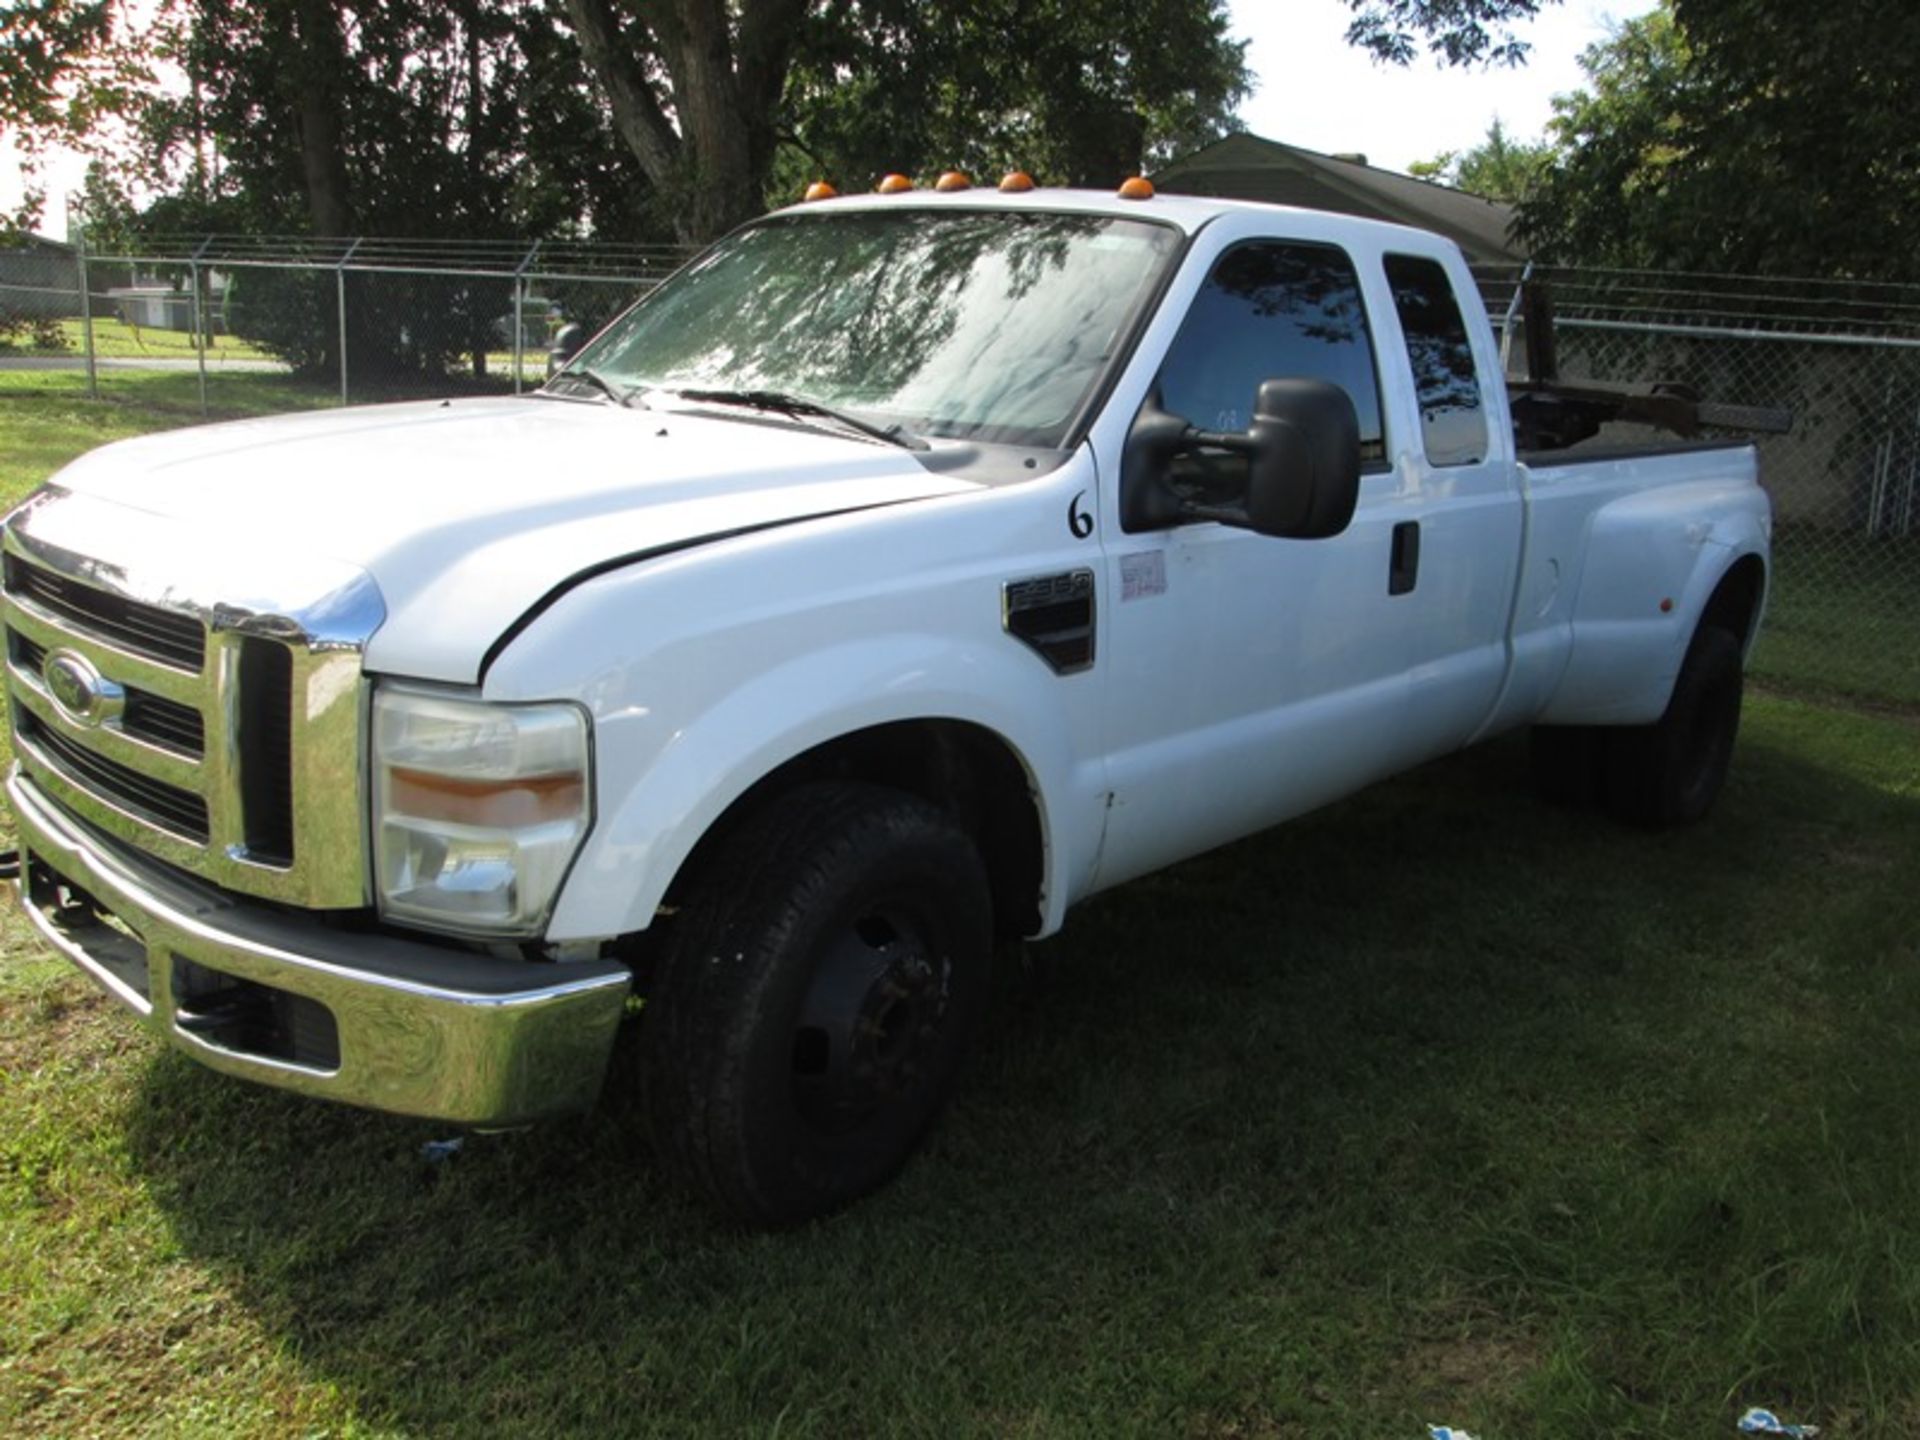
227	325
1844	358
246	323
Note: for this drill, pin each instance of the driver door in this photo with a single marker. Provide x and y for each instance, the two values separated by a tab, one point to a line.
1253	678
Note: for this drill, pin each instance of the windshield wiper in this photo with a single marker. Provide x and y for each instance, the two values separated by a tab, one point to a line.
599	382
782	403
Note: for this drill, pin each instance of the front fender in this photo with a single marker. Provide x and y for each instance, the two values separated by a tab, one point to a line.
665	774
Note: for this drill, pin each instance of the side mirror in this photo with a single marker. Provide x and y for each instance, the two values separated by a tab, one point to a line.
1302	465
566	345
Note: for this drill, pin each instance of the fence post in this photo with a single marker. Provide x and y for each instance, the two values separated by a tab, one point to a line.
86	310
519	315
340	285
199	323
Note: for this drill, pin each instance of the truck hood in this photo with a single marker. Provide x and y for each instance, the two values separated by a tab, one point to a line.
466	514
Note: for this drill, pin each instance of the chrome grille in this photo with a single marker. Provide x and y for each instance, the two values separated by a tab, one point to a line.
168	806
142	629
149	717
218	733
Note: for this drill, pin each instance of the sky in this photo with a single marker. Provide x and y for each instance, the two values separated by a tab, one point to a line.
1313	90
1318	92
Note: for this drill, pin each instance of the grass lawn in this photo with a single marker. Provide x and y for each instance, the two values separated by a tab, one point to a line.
46	418
115	339
1440	1105
1437	1106
1844	616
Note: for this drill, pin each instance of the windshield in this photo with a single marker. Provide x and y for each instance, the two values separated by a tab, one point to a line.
974	325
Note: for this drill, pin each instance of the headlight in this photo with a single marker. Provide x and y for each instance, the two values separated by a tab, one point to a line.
479	809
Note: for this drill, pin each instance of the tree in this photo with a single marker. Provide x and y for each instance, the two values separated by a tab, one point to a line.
1742	135
400	119
1457	32
66	67
705	95
1072	93
1498	168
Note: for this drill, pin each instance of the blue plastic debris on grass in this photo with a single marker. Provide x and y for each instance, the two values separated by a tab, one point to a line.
1447	1432
1764	1422
435	1152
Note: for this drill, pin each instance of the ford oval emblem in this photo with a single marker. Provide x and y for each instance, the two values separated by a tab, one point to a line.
84	696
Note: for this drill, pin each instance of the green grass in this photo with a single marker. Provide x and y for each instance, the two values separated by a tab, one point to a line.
46	417
1845	616
115	339
1439	1105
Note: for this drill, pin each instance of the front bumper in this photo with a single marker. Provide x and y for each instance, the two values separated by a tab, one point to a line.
267	995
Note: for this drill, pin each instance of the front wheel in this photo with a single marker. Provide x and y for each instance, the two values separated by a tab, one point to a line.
814	1000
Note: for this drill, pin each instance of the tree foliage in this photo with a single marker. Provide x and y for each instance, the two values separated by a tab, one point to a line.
850	89
1456	32
1759	136
1499	167
66	68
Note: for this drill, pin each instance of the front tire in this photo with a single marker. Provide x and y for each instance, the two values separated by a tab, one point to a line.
814	1000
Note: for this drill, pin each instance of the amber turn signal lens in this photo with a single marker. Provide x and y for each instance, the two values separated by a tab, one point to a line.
1016	182
527	800
819	190
952	180
1136	188
894	184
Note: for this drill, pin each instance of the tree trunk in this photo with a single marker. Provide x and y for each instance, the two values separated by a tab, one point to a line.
476	154
316	83
710	162
314	78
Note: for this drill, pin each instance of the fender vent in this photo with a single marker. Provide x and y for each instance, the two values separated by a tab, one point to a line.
1054	615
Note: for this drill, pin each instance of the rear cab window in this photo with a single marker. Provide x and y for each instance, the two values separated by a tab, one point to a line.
1453	422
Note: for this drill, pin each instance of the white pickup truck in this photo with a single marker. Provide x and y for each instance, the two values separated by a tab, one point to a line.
905	570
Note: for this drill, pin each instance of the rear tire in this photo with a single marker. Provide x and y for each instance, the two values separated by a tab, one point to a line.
814	1001
1669	773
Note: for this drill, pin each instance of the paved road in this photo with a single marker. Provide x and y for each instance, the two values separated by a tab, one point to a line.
77	362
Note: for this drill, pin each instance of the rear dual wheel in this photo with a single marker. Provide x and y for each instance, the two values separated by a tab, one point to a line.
1660	775
815	998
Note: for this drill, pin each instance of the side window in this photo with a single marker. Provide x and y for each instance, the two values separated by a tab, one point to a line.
1451	420
1273	311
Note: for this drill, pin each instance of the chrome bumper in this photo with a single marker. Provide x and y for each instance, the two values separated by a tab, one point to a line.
257	992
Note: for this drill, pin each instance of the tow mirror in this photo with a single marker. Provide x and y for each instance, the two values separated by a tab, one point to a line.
1302	470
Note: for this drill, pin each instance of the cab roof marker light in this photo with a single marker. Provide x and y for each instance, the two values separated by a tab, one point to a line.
1016	182
1136	187
952	180
894	184
819	190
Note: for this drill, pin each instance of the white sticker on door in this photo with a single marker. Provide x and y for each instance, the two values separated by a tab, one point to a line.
1143	574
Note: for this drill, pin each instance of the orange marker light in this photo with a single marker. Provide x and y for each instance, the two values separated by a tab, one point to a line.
893	185
951	181
1016	182
1137	188
819	190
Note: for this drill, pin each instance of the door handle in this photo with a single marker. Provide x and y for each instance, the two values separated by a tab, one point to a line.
1403	569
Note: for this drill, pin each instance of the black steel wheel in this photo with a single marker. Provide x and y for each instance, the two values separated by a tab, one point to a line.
1669	773
814	1000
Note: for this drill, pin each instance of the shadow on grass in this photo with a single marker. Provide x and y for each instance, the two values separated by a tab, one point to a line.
1438	1105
